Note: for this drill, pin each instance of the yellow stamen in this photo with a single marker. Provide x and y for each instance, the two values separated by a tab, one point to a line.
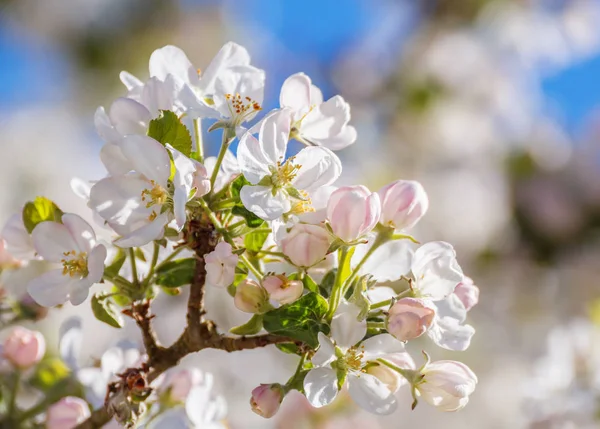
157	195
75	264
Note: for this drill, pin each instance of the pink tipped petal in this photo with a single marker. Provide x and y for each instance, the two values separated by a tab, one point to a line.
52	240
81	231
320	386
51	288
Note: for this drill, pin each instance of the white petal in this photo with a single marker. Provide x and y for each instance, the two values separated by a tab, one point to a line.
144	235
381	345
130	81
274	135
449	334
160	95
51	288
320	167
112	361
451	307
261	201
96	263
326	352
320	386
113	159
52	240
70	339
172	60
148	157
81	231
371	394
17	240
104	127
387	263
230	55
295	92
80	291
129	117
252	160
339	141
182	181
346	330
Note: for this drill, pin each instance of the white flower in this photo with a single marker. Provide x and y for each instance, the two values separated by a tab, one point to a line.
313	121
436	271
448	329
71	243
138	205
349	359
113	361
17	240
230	88
278	185
447	384
220	265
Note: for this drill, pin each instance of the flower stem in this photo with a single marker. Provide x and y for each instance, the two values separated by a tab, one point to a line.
155	253
199	144
389	301
169	258
12	404
222	152
337	290
379	240
134	272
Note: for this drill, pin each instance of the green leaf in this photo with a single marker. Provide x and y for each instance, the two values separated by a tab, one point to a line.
113	269
48	372
168	128
359	295
104	310
297	381
301	320
251	327
254	240
327	283
251	219
237	185
172	291
119	298
139	254
289	348
40	210
176	273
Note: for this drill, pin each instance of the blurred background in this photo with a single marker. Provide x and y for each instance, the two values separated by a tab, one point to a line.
493	105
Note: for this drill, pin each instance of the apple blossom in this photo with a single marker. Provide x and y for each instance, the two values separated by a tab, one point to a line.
67	413
446	384
282	289
138	205
250	297
72	244
306	244
17	240
448	329
278	185
24	348
313	121
467	293
220	265
409	318
435	270
403	204
345	358
266	399
353	211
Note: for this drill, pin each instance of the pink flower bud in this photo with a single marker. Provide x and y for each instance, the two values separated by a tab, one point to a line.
447	384
178	383
201	179
220	265
409	318
250	297
283	290
403	203
306	244
67	413
24	348
353	211
266	399
467	292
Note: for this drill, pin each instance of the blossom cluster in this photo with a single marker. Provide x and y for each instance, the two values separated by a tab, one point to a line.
311	261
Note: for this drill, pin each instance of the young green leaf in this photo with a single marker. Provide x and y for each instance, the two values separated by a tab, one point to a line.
254	240
251	219
176	273
40	210
301	320
115	266
168	128
251	327
104	310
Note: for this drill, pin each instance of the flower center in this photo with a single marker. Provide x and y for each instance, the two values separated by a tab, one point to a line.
75	264
302	206
241	107
354	358
157	195
283	174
